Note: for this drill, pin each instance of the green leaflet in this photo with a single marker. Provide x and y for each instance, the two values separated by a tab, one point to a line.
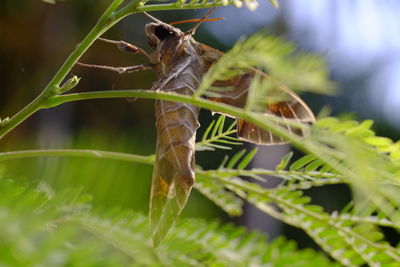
116	237
284	161
218	136
217	193
352	241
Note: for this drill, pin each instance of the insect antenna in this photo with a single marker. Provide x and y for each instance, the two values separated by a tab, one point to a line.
204	18
165	25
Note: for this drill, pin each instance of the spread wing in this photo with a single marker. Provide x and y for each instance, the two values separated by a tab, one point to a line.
279	101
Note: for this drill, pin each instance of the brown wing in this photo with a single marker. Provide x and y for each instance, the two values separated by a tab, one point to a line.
173	173
283	103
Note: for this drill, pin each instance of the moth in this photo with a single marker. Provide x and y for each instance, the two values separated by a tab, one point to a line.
180	63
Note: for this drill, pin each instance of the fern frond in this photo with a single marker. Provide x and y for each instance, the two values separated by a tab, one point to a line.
313	178
363	132
349	218
366	161
250	4
216	133
194	243
299	171
217	193
117	233
31	234
269	53
307	184
309	164
352	244
248	249
63	230
344	242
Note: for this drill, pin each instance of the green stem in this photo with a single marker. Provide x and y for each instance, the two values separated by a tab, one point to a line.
150	159
285	175
267	123
22	115
270	123
173	6
133	8
103	24
88	153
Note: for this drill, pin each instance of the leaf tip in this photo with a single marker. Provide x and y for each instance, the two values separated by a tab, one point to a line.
275	3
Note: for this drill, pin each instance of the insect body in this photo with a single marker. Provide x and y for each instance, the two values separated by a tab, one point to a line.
180	63
179	69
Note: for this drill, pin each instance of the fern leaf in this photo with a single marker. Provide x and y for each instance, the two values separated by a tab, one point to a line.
274	3
217	129
284	161
59	230
268	52
235	158
350	244
247	159
217	193
361	131
307	184
216	133
210	126
366	161
300	163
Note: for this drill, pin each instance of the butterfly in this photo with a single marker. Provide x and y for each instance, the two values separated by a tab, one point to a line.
180	62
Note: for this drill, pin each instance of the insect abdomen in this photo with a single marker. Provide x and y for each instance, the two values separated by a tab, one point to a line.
174	169
173	174
176	132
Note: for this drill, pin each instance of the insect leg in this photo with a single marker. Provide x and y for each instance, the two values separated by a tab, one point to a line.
120	70
124	46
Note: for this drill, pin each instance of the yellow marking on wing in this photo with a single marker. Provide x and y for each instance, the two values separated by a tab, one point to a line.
164	187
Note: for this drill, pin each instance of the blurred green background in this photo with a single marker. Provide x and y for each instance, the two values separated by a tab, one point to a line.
36	38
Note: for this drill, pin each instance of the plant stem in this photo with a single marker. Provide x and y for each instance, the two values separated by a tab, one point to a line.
266	122
150	159
22	115
104	23
87	153
270	123
133	7
173	6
